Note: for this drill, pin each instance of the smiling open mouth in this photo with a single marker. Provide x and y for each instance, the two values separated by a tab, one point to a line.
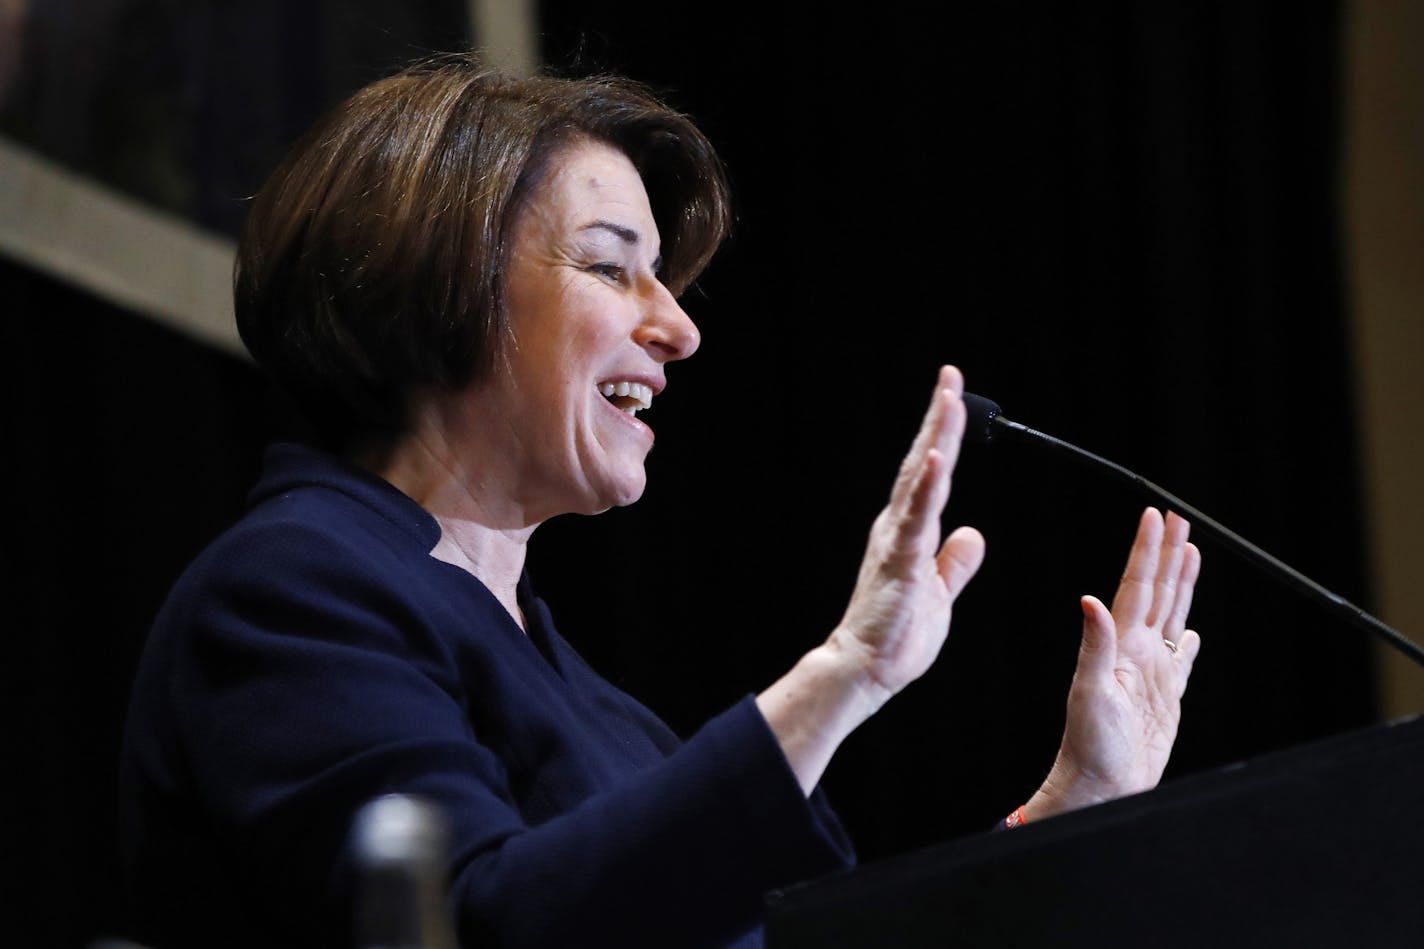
631	397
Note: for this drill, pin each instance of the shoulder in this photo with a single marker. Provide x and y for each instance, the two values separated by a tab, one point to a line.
323	548
301	544
312	515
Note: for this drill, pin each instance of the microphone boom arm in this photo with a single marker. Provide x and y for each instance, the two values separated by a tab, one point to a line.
996	424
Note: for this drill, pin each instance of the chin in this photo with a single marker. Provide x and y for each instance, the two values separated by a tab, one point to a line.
618	492
628	495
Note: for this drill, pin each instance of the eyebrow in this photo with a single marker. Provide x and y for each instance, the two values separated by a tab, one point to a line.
626	234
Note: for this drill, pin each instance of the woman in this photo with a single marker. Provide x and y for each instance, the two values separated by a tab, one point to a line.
469	282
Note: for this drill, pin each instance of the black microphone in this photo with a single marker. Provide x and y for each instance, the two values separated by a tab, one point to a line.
986	421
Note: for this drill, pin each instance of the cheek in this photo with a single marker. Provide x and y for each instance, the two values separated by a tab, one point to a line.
587	339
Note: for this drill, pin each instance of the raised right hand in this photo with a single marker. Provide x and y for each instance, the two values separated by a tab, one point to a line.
898	615
899	612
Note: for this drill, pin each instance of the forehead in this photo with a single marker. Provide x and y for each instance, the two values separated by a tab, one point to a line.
590	181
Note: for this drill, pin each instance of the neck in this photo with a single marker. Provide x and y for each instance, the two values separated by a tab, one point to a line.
492	556
477	534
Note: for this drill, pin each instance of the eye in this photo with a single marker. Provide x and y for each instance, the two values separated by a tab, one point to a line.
610	271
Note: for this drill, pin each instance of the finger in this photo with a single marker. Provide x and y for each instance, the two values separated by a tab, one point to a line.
1169	569
1134	593
1187	649
933	419
959	558
916	522
951	434
1186	587
1097	655
936	431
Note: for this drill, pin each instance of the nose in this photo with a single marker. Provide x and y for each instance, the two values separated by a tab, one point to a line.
666	330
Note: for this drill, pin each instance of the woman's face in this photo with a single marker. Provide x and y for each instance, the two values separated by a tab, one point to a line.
591	331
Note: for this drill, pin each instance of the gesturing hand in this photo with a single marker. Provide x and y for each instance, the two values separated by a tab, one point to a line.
1133	666
898	616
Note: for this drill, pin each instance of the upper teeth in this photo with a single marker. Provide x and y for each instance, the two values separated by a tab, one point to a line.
643	395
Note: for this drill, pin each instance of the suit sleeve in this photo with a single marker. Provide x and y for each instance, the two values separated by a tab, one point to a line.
308	685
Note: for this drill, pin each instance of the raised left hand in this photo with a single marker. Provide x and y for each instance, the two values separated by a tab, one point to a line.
1125	701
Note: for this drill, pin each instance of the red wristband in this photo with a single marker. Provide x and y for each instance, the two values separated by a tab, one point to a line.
1016	818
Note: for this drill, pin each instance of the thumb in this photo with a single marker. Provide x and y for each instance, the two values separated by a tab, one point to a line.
959	558
1098	653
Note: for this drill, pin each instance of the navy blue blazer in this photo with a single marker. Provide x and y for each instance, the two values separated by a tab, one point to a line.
316	656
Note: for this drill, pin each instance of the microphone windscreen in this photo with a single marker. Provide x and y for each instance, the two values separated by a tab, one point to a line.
982	413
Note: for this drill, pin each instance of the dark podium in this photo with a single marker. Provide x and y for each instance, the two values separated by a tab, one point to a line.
1320	845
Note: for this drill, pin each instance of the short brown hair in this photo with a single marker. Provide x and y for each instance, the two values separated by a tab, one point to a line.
371	261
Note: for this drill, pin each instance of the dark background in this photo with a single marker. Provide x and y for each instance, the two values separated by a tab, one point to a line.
1121	221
